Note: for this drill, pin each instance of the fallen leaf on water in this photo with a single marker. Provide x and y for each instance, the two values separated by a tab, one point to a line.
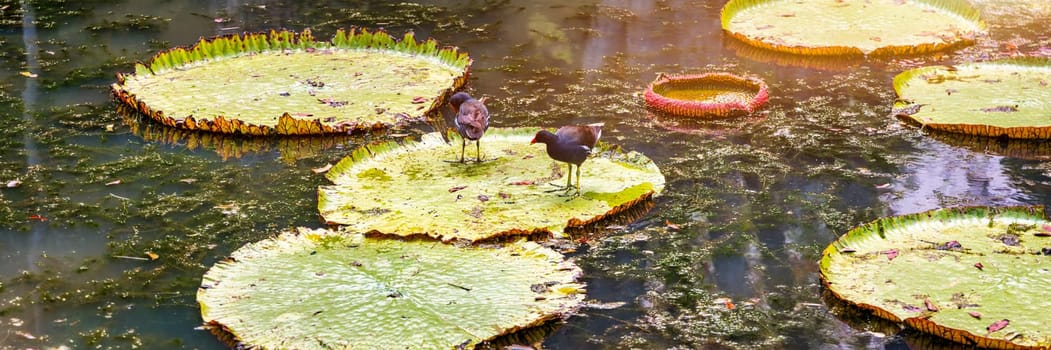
322	169
152	255
109	127
910	308
979	265
522	183
483	198
301	114
1045	229
883	186
891	254
528	156
419	99
13	183
848	250
114	182
975	314
929	304
876	39
37	217
671	226
726	302
25	335
188	181
998	325
504	195
456	188
949	92
28	74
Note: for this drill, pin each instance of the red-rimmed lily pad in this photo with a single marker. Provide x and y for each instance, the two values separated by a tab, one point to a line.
706	95
286	83
953	273
853	28
418	188
1010	97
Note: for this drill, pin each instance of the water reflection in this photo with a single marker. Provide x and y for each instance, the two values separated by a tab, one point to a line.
950	177
756	198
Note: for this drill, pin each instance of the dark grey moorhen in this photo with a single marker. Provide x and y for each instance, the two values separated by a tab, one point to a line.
472	120
571	144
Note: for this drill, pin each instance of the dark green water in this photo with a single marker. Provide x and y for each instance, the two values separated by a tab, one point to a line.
757	198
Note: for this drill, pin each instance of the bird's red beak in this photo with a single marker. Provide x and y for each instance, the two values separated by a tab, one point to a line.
533	141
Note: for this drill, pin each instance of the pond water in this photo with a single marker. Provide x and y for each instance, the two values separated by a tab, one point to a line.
756	198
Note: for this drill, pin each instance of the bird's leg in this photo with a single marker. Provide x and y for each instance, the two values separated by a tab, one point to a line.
569	178
578	180
478	149
463	145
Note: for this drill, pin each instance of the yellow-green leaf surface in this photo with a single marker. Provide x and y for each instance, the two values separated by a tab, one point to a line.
320	289
280	83
906	269
852	27
412	188
1009	97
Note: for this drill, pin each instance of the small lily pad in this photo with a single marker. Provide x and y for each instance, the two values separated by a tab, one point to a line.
321	289
853	28
286	83
412	188
953	274
710	94
1009	97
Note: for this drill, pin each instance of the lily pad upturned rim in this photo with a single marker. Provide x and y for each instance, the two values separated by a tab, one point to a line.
538	286
960	8
236	45
1021	132
674	106
876	229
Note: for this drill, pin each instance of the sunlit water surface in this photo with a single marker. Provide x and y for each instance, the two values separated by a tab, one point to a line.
756	198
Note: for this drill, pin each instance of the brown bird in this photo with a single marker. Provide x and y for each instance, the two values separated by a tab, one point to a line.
570	144
472	120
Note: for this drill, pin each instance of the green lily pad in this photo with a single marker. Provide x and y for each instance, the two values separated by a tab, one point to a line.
283	83
412	188
953	273
1001	98
853	28
320	289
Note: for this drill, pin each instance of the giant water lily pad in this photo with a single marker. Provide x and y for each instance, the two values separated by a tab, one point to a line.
320	289
853	27
283	83
706	95
972	275
1002	98
410	188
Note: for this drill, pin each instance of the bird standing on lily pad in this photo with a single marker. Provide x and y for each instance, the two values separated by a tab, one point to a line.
472	120
570	144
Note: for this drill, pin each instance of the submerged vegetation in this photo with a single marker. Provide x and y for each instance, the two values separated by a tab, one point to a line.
726	259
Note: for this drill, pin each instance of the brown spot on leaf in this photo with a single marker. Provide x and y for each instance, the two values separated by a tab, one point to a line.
1006	109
